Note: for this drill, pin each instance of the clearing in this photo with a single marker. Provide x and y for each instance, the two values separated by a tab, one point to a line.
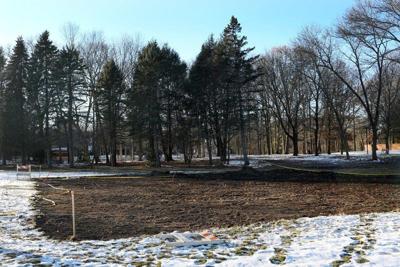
268	216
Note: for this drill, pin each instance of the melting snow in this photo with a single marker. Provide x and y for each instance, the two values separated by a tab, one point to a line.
4	175
257	160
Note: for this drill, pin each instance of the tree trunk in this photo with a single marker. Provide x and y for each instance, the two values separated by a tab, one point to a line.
113	148
329	137
70	122
70	144
316	133
341	146
219	145
269	150
388	130
286	144
114	156
164	145
387	142
346	147
209	149
157	162
243	138
268	134
140	146
374	142
168	152
47	137
295	141
354	130
304	140
95	133
223	151
208	142
344	144
107	155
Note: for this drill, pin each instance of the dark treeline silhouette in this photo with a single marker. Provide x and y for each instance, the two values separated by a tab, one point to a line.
88	101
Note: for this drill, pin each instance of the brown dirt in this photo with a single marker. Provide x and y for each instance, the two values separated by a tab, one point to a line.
124	207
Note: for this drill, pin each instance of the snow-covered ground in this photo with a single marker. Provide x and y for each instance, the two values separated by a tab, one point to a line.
368	239
48	174
334	158
8	174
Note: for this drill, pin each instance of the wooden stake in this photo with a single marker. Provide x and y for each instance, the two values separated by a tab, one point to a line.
73	216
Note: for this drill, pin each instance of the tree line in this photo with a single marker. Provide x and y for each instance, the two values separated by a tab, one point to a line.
318	94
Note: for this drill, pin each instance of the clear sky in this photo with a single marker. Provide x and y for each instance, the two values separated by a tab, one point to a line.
184	24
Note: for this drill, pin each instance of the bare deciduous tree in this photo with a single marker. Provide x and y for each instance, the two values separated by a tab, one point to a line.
95	52
365	53
285	86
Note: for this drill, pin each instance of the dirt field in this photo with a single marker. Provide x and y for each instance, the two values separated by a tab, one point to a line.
123	207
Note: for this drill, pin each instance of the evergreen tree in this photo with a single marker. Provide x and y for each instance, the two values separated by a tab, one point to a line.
172	75
202	90
2	102
14	114
155	100
223	116
110	92
70	94
42	92
221	76
238	72
145	99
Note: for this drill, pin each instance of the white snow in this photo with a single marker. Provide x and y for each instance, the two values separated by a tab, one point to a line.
7	174
372	238
334	158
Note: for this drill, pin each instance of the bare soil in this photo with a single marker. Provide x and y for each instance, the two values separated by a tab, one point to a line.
108	208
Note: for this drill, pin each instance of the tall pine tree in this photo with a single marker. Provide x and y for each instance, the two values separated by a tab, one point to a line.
14	114
172	77
202	91
2	102
144	99
110	92
70	94
42	92
238	72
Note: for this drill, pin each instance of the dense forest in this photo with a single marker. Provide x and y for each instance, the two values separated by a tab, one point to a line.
329	90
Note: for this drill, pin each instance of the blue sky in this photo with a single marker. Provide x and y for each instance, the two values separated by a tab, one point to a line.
184	24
